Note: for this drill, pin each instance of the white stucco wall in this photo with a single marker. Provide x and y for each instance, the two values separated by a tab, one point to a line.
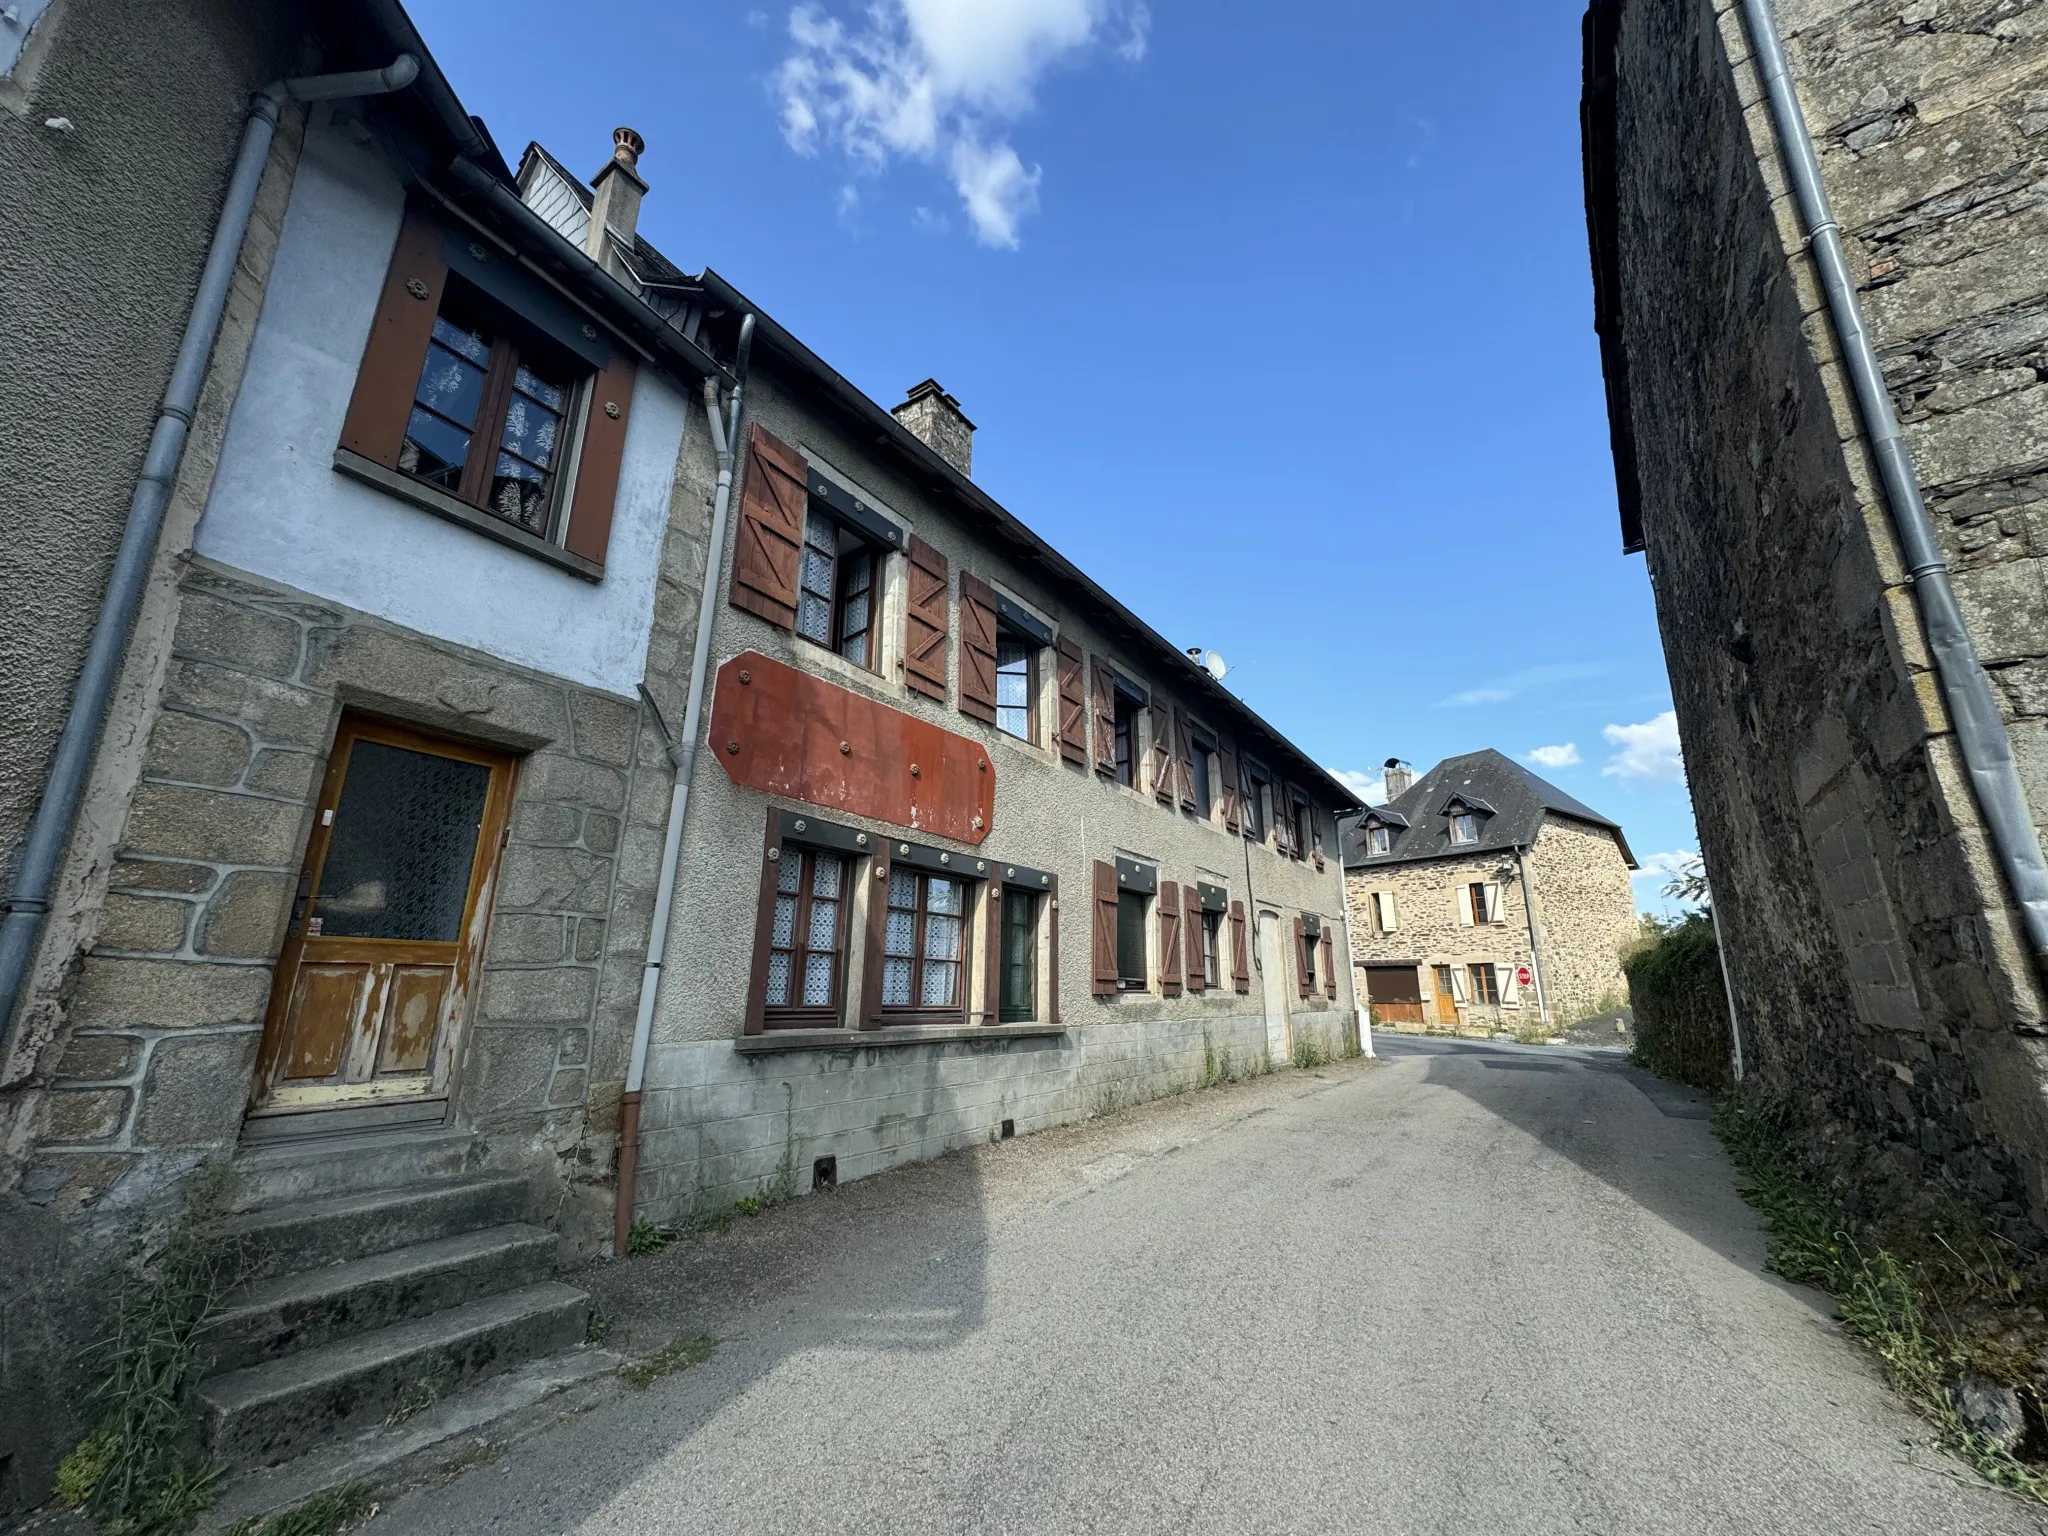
278	509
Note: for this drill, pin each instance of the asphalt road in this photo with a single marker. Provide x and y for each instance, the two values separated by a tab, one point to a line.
1472	1289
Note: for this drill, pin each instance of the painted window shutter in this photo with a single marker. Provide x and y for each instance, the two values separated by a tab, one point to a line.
1103	948
927	639
977	648
1393	912
1509	992
1169	939
389	375
1105	718
1162	756
764	927
1196	922
1329	962
767	557
1458	993
1301	986
1073	703
1052	955
1233	812
1461	898
1495	912
1184	753
991	982
875	940
604	452
1240	951
1283	820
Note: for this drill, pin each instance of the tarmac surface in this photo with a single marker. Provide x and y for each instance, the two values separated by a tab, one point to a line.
1470	1288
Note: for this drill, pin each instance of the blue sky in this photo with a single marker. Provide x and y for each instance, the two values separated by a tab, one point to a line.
1276	320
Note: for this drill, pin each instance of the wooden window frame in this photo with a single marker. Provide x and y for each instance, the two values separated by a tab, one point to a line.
1212	950
1463	818
1142	906
1485	993
1379	840
1203	750
1126	707
1012	898
954	1012
1009	634
836	600
1256	828
805	1016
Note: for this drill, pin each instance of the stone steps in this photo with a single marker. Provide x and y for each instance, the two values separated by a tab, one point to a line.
310	1234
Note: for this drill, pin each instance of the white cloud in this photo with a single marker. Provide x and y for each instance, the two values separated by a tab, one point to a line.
1647	751
1501	689
1368	786
1473	696
933	80
1660	867
1555	757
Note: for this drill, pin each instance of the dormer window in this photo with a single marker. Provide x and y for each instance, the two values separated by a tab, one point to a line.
1464	827
1379	839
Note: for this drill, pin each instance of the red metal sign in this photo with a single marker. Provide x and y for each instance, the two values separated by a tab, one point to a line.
785	732
1523	976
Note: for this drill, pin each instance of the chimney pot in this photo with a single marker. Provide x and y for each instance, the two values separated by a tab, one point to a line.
615	209
934	417
627	147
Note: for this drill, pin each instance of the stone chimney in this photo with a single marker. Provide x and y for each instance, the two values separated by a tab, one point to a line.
1400	779
617	205
934	416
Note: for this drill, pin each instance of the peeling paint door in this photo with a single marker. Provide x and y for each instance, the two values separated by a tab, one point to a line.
381	952
1273	988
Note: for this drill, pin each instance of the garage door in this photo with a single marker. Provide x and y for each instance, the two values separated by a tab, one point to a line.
1395	992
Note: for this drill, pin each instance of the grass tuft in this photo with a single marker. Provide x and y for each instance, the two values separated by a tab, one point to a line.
324	1514
680	1353
1309	1054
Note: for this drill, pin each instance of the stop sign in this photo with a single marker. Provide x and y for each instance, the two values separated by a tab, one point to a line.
1523	976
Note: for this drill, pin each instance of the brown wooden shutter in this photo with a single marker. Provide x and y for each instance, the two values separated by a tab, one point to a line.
1240	951
1184	753
992	968
1329	963
1233	802
764	927
1301	958
1105	718
927	639
604	450
1197	923
1073	703
1162	756
977	648
768	554
1169	939
876	873
1104	930
389	375
1052	955
1283	821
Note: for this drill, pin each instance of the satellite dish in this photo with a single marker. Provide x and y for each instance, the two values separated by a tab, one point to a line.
1214	665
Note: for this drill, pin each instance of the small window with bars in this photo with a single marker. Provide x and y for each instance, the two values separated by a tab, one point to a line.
807	943
923	946
837	592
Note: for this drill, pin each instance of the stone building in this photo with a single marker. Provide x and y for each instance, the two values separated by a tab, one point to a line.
1483	897
358	896
1822	310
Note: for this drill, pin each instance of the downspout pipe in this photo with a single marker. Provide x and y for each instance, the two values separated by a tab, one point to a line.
725	442
1980	730
1535	957
1363	1010
42	846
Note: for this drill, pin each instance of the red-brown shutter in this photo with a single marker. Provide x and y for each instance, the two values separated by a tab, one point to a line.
1184	753
927	639
876	872
764	927
1162	757
1169	939
1104	930
1197	922
1052	955
1105	718
1073	703
604	450
977	648
1329	963
389	375
767	555
1301	958
992	969
1283	823
1233	807
1240	951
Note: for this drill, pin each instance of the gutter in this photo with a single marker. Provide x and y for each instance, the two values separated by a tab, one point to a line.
1979	728
42	847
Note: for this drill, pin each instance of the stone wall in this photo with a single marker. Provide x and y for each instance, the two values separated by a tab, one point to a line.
1428	932
1877	970
1585	915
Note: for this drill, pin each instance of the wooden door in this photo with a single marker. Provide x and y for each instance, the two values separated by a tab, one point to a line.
1446	997
380	956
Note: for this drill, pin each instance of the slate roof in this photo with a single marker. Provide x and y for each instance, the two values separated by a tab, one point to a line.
1485	781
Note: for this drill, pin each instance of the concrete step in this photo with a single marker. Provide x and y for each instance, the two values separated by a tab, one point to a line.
264	1413
277	1172
273	1318
310	1234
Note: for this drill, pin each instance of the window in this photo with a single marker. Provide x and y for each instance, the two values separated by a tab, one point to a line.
1465	827
1018	1001
1254	807
1127	708
1379	840
490	421
1309	944
835	600
804	955
1016	683
1204	753
1212	943
1131	972
1384	913
1485	985
1305	834
922	952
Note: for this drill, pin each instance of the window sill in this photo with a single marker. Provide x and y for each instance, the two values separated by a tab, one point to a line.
441	504
771	1042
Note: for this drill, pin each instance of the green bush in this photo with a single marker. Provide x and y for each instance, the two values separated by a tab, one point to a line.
1681	1008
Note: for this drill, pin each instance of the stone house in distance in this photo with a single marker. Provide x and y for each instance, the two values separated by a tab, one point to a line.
1817	241
1483	897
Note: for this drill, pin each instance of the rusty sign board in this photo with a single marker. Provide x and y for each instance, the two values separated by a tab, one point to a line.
788	733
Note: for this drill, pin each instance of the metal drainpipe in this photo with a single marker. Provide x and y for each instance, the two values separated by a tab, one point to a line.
1727	984
42	847
725	441
1535	958
1362	1010
1980	730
